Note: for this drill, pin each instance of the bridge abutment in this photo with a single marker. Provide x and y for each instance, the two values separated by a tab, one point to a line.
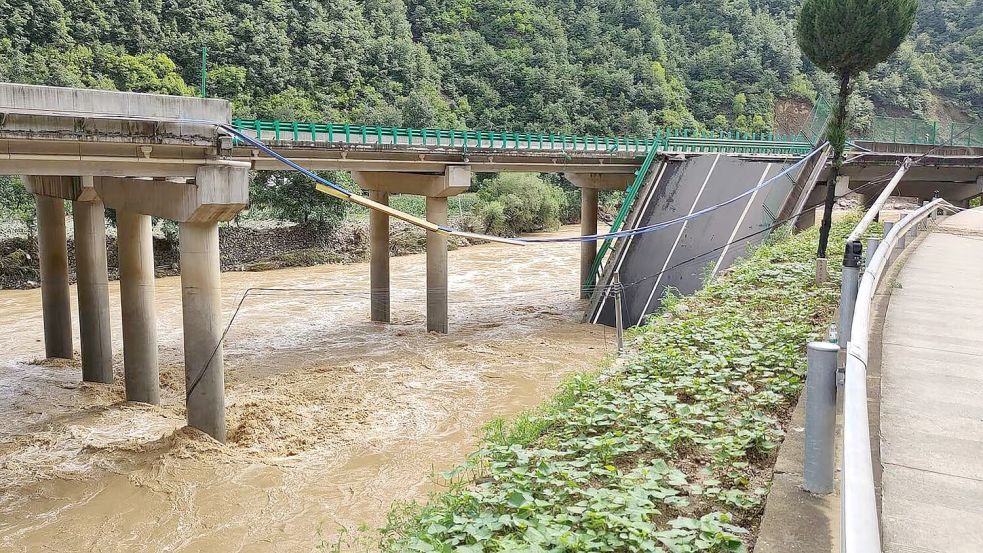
137	303
379	259
92	280
55	296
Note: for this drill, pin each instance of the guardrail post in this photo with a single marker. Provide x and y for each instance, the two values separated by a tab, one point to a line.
817	474
872	245
849	286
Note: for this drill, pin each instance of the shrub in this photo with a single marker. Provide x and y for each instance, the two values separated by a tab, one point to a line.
290	196
513	203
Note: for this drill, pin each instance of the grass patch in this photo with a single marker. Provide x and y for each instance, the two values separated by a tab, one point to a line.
669	450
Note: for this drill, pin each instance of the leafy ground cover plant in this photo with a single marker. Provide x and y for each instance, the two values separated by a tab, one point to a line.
671	449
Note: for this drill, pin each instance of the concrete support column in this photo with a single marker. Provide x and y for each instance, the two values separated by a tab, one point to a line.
588	226
201	301
806	219
868	201
437	268
379	259
137	302
93	291
55	300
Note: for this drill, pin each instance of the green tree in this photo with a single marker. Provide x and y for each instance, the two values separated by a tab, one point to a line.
290	196
845	37
18	204
513	203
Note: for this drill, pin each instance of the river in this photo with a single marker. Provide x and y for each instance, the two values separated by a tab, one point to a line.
331	417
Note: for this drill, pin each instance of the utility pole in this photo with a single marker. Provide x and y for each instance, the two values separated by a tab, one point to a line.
619	323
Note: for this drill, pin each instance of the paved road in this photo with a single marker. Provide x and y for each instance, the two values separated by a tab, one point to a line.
932	395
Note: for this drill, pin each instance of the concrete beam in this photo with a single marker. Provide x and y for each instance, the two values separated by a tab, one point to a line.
55	298
600	181
383	161
84	114
951	191
217	194
455	180
437	268
93	104
922	172
201	292
588	226
93	291
76	189
379	259
135	243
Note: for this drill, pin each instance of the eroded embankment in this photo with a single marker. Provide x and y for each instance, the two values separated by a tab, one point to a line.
331	417
670	450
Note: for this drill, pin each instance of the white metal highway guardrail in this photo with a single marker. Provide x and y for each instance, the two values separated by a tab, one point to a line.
860	528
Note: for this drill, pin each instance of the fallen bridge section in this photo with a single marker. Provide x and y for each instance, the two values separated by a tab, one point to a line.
683	256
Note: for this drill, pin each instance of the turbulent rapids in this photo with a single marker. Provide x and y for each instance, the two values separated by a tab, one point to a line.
331	418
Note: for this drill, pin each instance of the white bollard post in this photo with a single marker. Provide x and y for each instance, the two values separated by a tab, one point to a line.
820	449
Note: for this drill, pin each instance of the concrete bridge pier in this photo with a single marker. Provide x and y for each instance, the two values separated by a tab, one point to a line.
201	291
216	194
135	244
436	188
88	214
92	280
590	184
437	267
379	259
588	226
55	298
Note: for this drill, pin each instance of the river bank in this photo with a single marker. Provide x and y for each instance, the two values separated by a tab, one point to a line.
672	448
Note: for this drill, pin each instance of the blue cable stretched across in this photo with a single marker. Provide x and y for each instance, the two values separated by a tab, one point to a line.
345	194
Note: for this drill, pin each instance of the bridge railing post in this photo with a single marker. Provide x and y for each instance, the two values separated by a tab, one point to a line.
820	432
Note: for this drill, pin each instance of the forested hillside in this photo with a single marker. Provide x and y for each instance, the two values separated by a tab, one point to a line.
585	66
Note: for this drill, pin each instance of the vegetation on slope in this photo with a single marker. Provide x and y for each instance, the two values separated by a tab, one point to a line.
671	450
583	66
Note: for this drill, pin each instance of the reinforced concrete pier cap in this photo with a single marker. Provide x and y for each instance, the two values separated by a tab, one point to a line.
217	194
454	180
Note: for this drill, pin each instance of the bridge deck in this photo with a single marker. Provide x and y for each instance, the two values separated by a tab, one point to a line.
932	395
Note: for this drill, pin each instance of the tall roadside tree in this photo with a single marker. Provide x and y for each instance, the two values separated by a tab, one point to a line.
845	37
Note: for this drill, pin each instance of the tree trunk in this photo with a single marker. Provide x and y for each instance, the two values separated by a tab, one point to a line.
837	140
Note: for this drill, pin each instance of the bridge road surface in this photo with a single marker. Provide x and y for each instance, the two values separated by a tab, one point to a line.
932	395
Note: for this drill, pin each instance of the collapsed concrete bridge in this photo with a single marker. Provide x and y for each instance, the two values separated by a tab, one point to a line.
156	156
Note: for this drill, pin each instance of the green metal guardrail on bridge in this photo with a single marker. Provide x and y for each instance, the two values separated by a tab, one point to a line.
897	130
667	140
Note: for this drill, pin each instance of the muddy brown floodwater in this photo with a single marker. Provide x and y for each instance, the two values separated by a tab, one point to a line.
331	418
